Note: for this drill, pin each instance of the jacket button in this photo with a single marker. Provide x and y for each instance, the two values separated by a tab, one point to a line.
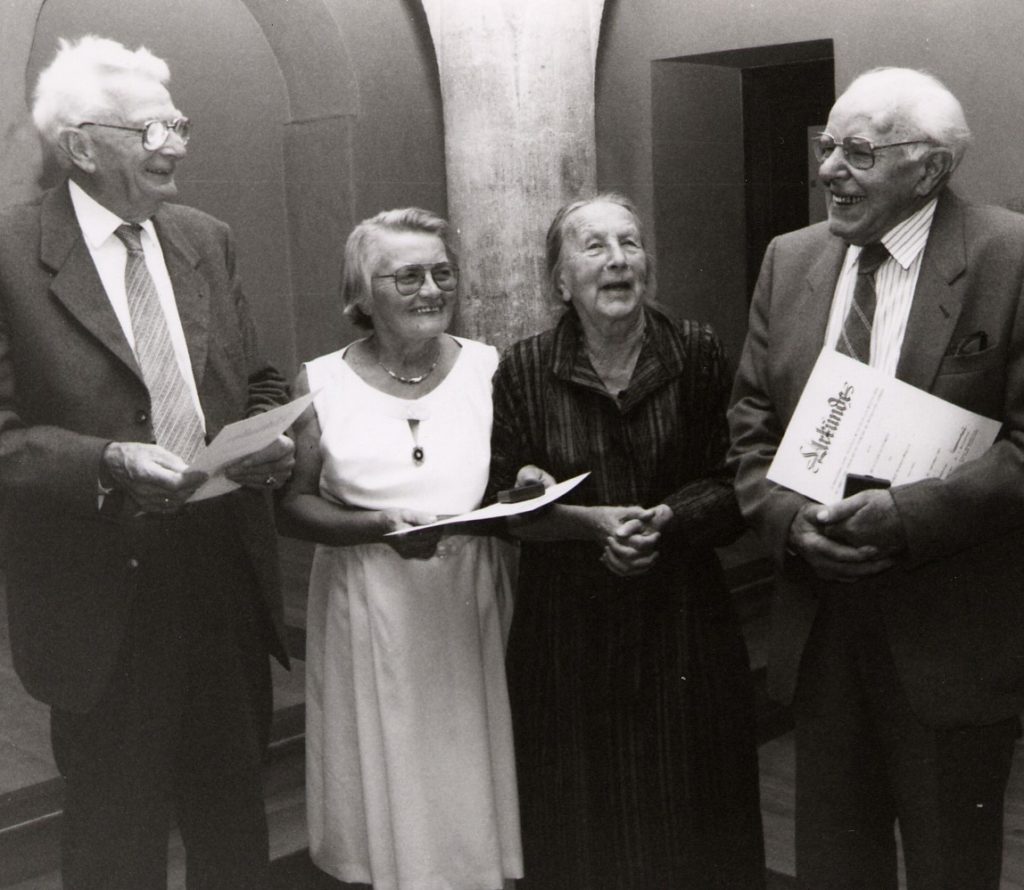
133	563
141	416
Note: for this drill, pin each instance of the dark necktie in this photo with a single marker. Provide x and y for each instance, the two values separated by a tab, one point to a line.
855	338
175	420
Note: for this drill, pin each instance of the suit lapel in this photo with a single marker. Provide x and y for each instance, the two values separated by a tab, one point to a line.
76	283
938	297
813	307
191	290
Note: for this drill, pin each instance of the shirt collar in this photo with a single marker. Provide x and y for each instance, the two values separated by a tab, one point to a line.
907	239
657	363
98	223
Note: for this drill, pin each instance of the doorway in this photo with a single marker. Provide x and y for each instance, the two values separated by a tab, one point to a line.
731	170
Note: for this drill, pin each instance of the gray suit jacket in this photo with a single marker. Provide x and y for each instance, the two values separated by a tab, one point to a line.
954	608
69	384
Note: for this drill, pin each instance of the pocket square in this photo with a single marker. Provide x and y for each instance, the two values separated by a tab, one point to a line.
976	342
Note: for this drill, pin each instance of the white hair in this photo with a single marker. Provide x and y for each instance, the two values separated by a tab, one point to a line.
76	85
910	103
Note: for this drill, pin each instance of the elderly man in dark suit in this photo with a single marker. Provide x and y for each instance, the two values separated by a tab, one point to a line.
898	619
144	621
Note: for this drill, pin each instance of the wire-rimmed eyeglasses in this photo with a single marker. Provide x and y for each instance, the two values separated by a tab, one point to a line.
409	279
154	133
858	151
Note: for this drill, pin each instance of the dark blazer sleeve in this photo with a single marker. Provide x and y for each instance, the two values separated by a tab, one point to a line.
757	424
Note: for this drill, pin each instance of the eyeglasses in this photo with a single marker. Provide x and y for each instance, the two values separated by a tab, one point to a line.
409	279
858	151
154	133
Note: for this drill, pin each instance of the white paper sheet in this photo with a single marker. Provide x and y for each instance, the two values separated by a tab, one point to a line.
240	439
852	418
495	511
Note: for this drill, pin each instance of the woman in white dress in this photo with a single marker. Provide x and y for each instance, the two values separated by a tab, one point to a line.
410	768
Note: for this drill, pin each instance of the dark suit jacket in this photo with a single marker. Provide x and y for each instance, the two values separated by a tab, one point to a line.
69	384
954	608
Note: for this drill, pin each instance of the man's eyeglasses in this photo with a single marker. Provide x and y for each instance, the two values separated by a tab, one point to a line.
858	151
409	279
154	133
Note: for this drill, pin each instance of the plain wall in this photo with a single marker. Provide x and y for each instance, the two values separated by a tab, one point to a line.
974	46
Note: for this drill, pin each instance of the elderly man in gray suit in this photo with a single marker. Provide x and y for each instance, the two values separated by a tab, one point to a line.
898	617
143	620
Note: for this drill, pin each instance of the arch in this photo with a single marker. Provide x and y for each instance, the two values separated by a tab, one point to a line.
314	61
323	103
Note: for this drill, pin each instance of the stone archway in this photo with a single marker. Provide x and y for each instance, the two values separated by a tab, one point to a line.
21	159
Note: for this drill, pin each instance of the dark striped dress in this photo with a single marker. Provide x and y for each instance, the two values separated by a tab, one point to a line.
631	698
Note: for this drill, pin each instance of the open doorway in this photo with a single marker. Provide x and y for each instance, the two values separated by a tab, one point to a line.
731	170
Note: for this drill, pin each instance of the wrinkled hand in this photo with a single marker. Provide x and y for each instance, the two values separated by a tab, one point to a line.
868	518
157	480
831	558
529	473
632	547
270	467
414	545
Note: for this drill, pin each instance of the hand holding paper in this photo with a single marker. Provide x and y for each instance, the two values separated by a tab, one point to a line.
811	536
240	440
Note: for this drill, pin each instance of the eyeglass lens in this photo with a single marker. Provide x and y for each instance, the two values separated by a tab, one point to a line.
409	279
857	151
158	132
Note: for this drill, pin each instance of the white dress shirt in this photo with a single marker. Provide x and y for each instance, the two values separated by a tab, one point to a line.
895	282
110	256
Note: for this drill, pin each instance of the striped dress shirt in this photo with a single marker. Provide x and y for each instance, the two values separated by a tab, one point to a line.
895	282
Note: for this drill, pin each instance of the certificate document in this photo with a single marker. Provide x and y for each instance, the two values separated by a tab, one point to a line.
496	511
853	419
240	439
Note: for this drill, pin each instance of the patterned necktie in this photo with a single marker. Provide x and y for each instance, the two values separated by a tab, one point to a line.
855	339
175	421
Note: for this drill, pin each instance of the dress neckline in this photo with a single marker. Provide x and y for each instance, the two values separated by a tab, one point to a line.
399	399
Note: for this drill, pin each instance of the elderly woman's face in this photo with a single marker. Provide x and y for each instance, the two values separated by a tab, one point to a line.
604	268
417	316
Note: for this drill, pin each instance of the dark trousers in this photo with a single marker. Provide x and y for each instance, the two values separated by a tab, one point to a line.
178	731
865	762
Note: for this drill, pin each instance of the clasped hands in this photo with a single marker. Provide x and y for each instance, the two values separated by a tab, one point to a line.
631	545
630	534
852	539
159	481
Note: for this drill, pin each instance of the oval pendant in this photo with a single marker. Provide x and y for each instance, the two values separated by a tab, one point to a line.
417	455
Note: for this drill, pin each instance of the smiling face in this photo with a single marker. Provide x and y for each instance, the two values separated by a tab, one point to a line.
405	321
603	266
122	175
865	204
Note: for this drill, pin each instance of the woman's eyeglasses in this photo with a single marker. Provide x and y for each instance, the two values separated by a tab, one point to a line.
409	279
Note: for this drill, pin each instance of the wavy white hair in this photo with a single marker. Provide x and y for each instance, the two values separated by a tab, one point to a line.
76	85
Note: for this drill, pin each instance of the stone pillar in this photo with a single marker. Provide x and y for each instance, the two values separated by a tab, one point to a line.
21	157
517	82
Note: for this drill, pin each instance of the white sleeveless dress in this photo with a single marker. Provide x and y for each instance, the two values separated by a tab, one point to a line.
410	771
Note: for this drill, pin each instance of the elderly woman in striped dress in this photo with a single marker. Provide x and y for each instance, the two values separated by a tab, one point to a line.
630	683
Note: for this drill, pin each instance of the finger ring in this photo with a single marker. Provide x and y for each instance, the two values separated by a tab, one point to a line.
270	481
